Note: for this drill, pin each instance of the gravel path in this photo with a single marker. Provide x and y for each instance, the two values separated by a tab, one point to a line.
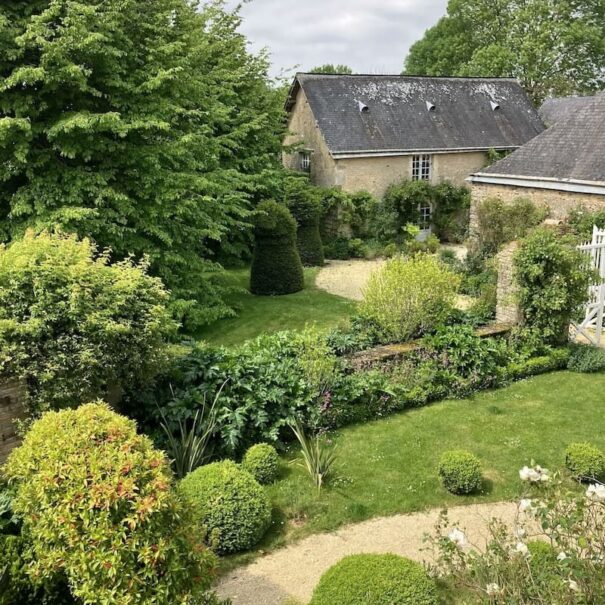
293	572
347	278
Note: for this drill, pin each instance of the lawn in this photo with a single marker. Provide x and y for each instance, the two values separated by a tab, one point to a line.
265	314
389	466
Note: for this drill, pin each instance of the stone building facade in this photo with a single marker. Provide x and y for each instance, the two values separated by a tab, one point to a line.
563	168
367	173
367	132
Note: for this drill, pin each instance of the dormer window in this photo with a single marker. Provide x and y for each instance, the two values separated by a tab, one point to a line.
305	160
421	167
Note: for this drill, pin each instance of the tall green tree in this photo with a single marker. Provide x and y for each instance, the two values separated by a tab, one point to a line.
554	47
144	124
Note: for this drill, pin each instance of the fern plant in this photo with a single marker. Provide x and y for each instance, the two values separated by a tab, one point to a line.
317	457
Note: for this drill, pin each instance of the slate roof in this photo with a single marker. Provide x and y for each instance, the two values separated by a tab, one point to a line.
562	108
570	149
398	120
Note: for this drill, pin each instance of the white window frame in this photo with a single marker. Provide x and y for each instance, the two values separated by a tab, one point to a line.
425	216
422	166
305	160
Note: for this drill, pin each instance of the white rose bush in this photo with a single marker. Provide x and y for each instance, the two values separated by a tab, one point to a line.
553	553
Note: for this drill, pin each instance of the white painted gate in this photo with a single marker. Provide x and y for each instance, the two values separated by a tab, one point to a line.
591	328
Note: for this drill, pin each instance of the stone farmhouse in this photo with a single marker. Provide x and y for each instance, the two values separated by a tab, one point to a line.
562	168
364	132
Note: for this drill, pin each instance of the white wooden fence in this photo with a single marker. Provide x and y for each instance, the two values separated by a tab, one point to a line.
591	328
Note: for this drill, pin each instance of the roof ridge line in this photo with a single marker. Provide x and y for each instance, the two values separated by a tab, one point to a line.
342	75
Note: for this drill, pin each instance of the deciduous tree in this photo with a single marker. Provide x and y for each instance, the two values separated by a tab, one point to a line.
141	123
554	47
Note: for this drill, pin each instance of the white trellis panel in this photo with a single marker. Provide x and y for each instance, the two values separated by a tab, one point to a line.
591	328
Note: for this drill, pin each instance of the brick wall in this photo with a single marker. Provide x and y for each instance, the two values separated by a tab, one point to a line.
11	409
507	308
559	203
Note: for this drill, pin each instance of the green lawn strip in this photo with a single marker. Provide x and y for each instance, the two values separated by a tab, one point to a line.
266	314
389	466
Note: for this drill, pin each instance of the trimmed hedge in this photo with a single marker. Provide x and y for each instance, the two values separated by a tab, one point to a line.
276	268
306	209
231	504
262	462
460	472
375	580
585	461
556	359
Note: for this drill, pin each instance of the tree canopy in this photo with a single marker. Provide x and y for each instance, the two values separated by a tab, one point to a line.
554	47
329	68
143	124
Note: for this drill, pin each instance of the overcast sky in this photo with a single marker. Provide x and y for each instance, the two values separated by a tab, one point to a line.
371	36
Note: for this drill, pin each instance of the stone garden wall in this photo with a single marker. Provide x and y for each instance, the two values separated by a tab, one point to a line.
559	203
507	308
11	409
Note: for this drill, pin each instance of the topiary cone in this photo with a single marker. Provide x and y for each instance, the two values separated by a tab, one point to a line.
276	266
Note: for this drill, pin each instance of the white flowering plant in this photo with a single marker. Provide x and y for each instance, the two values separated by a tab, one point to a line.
553	552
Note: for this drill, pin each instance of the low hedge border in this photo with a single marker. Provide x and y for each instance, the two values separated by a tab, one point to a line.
370	395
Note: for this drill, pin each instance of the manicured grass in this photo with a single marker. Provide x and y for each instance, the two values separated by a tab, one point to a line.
266	314
389	466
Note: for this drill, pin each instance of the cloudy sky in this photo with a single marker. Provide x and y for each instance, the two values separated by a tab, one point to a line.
371	36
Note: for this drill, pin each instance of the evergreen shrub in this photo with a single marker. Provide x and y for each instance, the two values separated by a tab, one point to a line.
276	267
262	462
375	580
586	359
98	509
585	461
460	472
72	325
231	504
305	207
408	297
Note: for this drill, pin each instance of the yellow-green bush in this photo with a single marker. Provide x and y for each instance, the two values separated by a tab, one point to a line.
407	297
72	325
98	508
231	503
375	580
262	462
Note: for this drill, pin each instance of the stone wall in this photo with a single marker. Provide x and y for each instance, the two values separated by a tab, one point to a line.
303	131
559	203
11	409
507	308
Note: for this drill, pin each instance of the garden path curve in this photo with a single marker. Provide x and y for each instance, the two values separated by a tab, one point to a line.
293	572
